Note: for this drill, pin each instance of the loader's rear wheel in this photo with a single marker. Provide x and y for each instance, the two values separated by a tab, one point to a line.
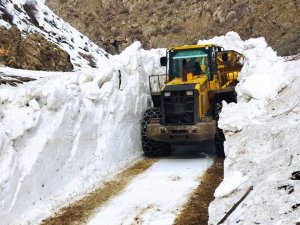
219	143
219	136
151	147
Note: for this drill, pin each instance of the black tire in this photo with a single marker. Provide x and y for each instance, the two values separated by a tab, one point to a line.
151	147
219	143
219	136
217	110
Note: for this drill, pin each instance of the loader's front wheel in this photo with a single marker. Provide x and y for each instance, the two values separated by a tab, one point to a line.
151	147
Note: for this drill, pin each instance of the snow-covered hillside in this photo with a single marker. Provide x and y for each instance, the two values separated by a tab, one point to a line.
32	16
262	139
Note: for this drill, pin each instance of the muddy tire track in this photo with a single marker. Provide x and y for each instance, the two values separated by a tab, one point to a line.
195	212
80	211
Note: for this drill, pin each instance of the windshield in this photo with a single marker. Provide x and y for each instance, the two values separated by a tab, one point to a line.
188	61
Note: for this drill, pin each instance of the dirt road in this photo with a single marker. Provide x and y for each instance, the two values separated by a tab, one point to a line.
195	211
174	190
79	211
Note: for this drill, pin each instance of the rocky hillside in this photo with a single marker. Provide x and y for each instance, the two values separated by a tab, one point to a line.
114	24
31	52
41	40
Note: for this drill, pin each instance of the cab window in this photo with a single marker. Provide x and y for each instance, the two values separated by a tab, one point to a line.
195	61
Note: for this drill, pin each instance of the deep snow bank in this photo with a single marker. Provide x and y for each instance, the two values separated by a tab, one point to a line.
262	139
60	136
65	133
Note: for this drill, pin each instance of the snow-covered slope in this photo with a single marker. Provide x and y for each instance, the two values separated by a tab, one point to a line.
32	16
64	133
262	139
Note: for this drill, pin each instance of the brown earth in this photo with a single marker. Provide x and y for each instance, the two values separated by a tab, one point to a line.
79	211
196	210
32	52
114	24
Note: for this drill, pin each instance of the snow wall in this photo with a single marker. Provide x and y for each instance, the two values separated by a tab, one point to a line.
262	139
65	133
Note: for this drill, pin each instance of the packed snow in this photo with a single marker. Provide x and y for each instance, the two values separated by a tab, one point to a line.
155	196
262	139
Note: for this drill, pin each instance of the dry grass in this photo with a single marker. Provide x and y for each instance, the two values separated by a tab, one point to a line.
196	210
11	79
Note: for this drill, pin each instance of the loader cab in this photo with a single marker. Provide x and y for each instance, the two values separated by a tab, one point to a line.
190	61
195	59
184	99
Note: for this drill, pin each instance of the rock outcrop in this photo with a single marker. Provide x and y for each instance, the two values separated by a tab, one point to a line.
114	24
32	52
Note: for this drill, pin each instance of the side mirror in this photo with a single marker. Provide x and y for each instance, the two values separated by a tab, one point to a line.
225	57
163	61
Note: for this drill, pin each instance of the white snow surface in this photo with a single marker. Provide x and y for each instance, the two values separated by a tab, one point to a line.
260	80
33	16
65	133
155	196
262	139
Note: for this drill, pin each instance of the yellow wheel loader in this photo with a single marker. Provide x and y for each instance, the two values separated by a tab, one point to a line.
188	99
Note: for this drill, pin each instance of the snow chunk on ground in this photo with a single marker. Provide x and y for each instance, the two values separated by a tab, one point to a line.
230	41
246	113
262	75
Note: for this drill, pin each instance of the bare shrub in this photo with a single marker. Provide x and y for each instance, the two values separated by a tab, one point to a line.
176	29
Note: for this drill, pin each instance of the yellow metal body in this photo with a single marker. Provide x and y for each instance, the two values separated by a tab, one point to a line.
199	77
225	76
187	47
202	86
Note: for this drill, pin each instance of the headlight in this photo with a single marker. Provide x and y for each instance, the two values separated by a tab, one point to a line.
167	94
189	93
